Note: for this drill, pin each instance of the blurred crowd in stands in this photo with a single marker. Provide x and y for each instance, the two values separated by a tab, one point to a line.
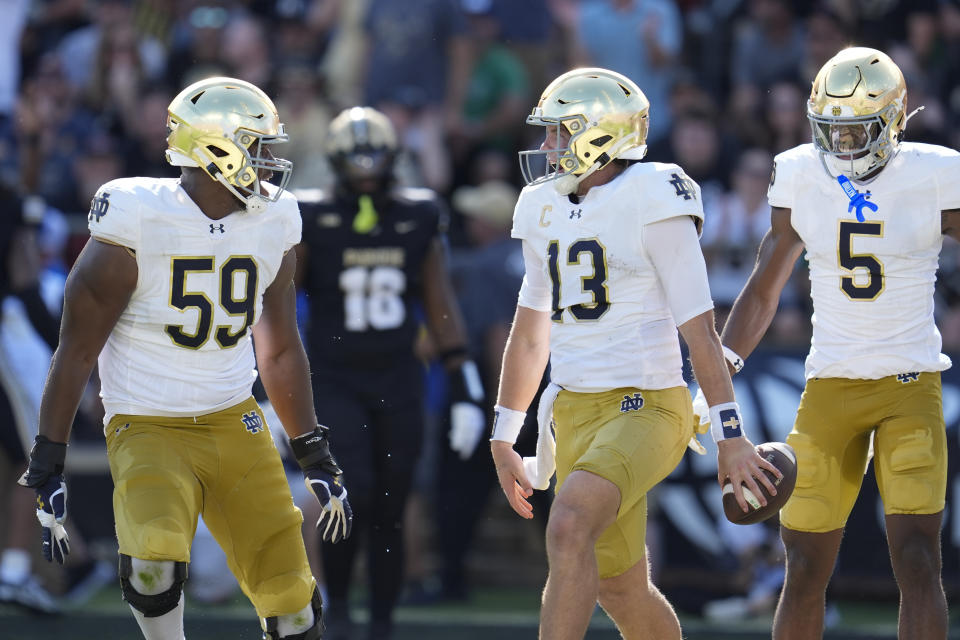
84	86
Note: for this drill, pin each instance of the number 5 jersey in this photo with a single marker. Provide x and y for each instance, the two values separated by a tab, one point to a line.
871	281
182	346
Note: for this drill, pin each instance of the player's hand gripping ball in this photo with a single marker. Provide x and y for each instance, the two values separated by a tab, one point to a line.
782	456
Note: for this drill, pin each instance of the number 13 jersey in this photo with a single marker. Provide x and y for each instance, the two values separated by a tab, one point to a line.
871	282
182	345
612	326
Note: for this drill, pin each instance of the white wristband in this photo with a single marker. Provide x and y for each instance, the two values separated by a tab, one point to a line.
725	421
507	424
732	357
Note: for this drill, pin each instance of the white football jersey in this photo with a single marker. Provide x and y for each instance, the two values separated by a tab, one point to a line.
182	345
871	282
612	326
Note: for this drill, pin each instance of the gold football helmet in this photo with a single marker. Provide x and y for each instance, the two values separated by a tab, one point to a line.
361	145
601	115
225	126
857	110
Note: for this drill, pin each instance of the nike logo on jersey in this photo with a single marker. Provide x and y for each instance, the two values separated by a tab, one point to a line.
405	226
217	227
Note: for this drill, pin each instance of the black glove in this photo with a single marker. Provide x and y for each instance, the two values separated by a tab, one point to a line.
324	478
45	475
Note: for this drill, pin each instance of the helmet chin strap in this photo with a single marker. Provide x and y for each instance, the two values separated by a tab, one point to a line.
567	183
252	204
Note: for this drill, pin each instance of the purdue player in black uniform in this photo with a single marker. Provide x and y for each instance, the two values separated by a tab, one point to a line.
372	264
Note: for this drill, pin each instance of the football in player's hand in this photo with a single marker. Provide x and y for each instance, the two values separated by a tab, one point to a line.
782	456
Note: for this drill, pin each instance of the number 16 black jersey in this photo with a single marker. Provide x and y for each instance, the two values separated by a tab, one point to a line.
364	274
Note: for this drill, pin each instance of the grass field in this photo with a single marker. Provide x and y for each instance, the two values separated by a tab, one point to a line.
504	614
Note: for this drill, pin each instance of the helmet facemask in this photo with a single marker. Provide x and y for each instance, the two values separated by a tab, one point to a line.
856	145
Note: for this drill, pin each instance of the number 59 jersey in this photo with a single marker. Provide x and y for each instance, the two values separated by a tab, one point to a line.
612	326
872	282
182	345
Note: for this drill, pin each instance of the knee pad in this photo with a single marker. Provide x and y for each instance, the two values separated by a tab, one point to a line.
808	509
313	633
155	605
915	475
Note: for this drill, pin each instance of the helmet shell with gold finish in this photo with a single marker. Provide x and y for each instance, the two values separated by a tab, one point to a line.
227	127
599	116
857	111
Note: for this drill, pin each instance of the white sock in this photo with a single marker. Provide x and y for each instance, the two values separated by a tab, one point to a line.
169	626
293	623
14	565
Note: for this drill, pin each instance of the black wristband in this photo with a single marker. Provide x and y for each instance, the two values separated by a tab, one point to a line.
465	383
451	354
312	451
46	460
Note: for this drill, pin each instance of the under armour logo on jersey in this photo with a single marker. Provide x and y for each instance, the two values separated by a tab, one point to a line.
575	214
906	378
631	403
252	421
684	186
216	227
99	206
730	422
122	427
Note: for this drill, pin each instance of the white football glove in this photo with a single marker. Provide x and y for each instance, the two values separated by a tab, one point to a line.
467	422
701	421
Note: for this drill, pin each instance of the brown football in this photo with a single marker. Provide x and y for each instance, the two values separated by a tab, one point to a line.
783	458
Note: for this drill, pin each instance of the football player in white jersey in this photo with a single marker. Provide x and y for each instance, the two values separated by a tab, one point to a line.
871	212
166	293
613	268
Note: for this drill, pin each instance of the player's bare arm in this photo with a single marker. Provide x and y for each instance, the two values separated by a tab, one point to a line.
737	461
97	291
524	361
756	305
281	360
440	304
950	223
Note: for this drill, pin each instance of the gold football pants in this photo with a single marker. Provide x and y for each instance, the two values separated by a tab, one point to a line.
831	437
632	438
225	466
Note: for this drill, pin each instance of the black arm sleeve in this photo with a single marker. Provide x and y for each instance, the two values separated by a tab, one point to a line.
45	323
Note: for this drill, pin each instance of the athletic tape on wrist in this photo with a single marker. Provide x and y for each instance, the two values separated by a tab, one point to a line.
725	421
507	424
732	357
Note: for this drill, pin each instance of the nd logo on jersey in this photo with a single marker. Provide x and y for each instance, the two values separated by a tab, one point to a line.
252	421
